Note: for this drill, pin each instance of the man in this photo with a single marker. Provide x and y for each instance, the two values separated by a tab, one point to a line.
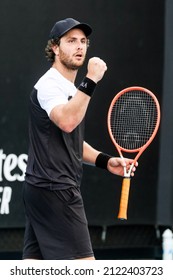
56	225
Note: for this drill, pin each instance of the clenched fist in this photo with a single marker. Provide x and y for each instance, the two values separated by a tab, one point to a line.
96	69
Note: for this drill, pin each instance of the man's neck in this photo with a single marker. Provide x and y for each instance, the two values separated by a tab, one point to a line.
66	73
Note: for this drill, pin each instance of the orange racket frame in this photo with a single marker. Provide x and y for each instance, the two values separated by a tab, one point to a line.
126	180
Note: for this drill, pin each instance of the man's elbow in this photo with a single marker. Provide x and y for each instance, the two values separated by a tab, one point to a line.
67	126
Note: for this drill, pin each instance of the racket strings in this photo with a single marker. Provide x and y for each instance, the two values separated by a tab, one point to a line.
133	119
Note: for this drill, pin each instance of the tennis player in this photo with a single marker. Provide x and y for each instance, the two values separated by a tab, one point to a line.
56	225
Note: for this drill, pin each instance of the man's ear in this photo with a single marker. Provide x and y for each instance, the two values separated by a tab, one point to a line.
55	49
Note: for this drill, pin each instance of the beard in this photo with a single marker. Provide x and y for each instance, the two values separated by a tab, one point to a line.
68	62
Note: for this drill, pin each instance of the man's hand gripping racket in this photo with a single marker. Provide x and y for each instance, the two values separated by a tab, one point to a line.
133	121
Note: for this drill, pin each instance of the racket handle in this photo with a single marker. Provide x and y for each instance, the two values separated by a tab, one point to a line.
124	199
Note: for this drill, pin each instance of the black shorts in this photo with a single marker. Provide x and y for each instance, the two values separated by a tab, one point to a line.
56	224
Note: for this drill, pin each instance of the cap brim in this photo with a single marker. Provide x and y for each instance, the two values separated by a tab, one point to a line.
83	26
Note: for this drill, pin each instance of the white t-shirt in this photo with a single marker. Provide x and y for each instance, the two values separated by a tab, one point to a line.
53	89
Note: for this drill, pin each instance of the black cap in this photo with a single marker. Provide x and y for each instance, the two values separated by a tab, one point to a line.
65	25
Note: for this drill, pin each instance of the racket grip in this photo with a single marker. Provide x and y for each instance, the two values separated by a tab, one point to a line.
124	199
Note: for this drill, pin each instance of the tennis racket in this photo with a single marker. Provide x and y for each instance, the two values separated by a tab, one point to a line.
133	121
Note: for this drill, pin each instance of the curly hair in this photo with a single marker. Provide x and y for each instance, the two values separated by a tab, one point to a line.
50	55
